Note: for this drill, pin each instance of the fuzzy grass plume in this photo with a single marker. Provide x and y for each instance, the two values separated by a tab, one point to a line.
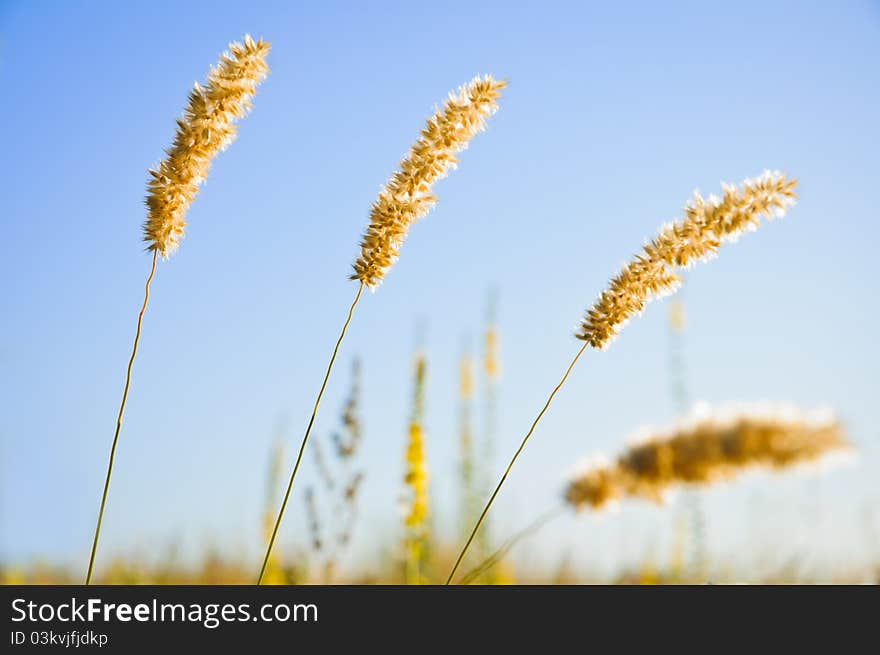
707	224
207	126
710	446
705	447
405	198
654	272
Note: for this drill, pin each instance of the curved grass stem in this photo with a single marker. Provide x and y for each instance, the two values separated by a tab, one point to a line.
137	337
513	461
496	557
305	440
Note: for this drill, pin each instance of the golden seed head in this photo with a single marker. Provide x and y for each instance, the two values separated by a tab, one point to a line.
708	446
696	237
206	128
596	485
407	195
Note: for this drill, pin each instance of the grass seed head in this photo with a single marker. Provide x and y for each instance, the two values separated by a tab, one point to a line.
595	486
407	196
206	127
706	224
708	446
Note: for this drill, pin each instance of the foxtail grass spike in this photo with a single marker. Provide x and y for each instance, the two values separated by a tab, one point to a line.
404	199
653	273
407	196
206	127
696	237
710	446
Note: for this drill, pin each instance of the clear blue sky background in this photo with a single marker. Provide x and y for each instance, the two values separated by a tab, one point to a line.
612	117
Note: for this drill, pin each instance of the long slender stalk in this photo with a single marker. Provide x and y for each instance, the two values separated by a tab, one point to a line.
495	557
305	440
513	460
137	337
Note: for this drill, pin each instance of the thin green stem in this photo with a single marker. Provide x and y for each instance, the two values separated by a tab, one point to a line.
305	440
513	461
137	337
496	557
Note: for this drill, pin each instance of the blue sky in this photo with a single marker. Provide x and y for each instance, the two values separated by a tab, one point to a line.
612	117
